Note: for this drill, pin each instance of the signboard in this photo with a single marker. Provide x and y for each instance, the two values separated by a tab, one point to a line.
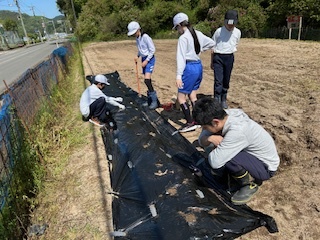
293	21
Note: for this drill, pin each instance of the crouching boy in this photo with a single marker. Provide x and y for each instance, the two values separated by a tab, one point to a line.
242	148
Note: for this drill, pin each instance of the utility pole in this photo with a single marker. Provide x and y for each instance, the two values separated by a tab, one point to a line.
24	29
44	28
55	33
40	36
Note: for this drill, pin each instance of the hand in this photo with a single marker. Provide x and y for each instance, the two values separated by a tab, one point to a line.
118	99
215	139
136	59
122	107
144	63
179	83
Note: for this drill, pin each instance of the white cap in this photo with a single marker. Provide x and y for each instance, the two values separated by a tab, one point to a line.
133	27
101	79
179	18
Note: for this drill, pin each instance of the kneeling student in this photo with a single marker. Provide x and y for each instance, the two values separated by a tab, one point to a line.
93	103
242	148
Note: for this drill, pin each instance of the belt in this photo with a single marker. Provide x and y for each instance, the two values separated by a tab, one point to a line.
192	61
223	53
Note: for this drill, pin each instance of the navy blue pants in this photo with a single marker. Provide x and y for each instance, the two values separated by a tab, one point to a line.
243	160
99	109
222	67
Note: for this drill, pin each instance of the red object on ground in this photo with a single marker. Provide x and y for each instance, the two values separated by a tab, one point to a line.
167	106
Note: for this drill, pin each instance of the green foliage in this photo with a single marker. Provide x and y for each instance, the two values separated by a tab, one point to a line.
279	10
252	20
55	140
204	27
32	23
158	16
25	183
252	17
108	19
10	25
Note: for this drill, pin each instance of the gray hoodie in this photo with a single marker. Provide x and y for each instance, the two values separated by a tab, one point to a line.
240	133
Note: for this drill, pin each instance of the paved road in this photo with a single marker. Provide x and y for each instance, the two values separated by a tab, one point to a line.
13	63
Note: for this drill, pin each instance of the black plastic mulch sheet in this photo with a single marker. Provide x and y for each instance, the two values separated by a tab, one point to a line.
155	193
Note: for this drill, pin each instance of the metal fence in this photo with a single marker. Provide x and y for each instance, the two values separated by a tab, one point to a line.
22	101
307	33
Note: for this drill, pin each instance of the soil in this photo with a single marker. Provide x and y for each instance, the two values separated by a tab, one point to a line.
276	82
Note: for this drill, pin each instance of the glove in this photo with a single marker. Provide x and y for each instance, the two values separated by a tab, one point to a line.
118	99
122	107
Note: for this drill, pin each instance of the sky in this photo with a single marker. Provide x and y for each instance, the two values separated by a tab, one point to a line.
46	8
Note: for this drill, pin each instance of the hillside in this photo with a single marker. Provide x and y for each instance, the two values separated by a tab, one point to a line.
32	23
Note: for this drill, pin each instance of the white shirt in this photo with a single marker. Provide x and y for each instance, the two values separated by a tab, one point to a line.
225	41
186	51
91	94
240	133
145	46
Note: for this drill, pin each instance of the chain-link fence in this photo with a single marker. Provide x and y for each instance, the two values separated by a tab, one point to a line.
20	104
307	33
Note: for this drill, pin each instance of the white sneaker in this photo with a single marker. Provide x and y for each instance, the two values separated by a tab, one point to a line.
95	122
189	127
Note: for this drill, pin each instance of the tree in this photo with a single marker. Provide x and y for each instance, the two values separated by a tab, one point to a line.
10	25
279	10
252	17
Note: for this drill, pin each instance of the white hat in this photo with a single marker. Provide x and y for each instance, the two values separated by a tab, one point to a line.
101	79
133	27
179	18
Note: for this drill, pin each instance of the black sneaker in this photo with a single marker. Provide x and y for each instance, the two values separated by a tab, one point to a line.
243	195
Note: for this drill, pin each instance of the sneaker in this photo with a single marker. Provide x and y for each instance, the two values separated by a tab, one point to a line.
96	122
189	127
243	195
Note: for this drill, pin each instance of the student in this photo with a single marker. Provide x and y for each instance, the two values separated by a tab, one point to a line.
189	67
93	103
225	39
242	148
146	50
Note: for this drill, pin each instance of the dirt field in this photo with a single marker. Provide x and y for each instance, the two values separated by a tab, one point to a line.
275	81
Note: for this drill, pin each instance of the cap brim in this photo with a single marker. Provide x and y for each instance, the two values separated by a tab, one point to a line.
132	32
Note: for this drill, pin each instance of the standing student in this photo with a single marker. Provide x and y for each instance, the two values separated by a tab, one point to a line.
93	103
189	67
146	50
242	148
225	39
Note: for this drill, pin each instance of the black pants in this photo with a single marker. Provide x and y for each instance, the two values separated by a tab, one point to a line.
222	67
99	109
256	168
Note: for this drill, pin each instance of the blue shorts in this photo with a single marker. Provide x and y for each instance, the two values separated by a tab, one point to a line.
150	65
191	77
